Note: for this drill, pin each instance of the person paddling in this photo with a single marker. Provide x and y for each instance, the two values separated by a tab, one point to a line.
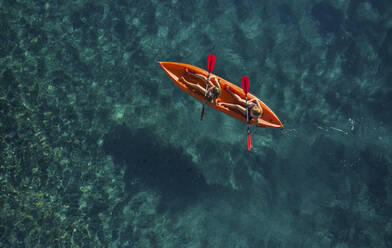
253	106
213	91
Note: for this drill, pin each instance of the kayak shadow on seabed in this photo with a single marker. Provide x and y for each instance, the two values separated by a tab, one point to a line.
162	168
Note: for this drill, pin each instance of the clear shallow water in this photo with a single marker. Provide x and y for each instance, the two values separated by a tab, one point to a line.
100	149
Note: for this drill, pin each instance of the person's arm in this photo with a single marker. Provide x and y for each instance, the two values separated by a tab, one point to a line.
208	91
216	82
254	101
258	104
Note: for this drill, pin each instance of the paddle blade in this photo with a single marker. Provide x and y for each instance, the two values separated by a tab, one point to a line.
202	113
210	62
245	84
249	142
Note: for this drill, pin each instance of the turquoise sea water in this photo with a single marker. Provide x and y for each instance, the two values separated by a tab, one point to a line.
99	148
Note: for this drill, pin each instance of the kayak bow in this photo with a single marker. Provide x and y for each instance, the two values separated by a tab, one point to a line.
176	70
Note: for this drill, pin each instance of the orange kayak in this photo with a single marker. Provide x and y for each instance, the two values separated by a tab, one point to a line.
177	70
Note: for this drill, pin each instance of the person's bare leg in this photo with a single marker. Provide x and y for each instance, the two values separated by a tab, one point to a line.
234	107
203	78
192	85
195	75
236	97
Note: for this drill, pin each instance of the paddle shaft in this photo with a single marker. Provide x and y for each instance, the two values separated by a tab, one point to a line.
210	67
205	96
249	142
245	87
247	110
247	114
208	78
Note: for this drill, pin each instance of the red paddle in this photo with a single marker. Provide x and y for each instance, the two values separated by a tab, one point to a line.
245	87
210	67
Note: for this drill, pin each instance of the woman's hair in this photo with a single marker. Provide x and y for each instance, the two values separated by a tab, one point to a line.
215	92
256	111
